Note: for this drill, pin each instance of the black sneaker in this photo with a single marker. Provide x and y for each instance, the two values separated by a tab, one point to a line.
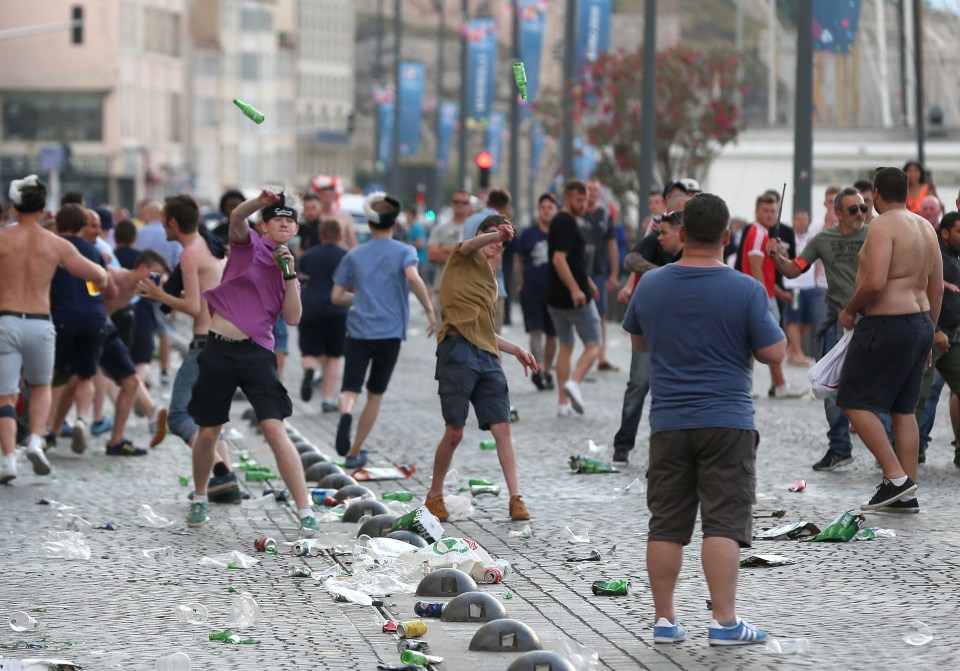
622	455
956	458
921	457
224	489
547	381
306	387
537	379
901	506
887	493
125	449
832	461
343	434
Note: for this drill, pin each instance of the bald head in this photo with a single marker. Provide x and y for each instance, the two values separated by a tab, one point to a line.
930	210
151	211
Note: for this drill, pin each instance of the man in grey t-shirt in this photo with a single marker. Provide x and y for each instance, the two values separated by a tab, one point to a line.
838	248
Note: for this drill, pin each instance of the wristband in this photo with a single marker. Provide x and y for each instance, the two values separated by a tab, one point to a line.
287	278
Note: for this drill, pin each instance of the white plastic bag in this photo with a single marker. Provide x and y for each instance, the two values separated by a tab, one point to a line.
824	375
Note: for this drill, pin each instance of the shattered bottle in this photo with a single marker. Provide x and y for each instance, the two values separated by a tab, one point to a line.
192	613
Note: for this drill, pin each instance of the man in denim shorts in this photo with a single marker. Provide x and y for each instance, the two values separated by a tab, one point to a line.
701	321
468	359
571	297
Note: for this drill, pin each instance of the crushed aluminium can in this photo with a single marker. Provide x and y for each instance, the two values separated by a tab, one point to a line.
492	575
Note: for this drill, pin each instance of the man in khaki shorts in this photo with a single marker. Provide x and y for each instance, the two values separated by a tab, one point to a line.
29	257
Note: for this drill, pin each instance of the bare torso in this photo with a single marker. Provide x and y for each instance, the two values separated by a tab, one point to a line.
209	270
29	256
913	248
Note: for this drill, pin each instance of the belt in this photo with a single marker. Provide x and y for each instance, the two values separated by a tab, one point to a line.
453	334
24	315
222	338
198	342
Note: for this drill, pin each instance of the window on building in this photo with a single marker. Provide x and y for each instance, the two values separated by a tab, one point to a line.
249	66
53	117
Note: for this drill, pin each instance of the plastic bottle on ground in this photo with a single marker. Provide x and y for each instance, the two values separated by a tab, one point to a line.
192	613
21	621
178	661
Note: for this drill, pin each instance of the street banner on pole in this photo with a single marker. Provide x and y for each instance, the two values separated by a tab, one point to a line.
411	107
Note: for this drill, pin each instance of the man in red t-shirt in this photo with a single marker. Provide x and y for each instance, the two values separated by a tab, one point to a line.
761	267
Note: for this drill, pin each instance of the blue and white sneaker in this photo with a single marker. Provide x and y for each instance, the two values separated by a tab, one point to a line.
665	631
742	633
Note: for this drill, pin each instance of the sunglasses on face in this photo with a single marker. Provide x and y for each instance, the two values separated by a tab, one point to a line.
853	209
671	217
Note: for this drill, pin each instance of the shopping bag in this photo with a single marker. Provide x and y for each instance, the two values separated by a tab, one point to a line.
824	375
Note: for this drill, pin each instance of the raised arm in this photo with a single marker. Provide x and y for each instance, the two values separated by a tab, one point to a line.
239	228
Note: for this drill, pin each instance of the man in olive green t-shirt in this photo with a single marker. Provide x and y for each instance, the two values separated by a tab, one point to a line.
838	248
468	359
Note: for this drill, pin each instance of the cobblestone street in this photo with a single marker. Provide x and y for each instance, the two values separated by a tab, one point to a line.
853	601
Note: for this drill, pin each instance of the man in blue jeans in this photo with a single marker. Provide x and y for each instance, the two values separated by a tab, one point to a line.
838	248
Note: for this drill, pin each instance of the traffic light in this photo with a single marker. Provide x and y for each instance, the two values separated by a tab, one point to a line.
484	161
77	16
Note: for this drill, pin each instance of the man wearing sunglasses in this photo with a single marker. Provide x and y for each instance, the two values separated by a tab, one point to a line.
445	238
837	248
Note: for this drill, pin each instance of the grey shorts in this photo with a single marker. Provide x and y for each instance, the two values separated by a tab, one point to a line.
468	374
27	345
773	308
584	320
713	469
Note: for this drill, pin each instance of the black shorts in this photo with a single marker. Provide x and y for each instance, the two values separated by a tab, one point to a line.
711	468
78	348
224	366
536	317
468	374
124	320
883	369
380	355
143	332
115	359
324	336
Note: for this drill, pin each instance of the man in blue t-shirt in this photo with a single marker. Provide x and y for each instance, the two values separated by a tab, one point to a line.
702	321
374	280
531	262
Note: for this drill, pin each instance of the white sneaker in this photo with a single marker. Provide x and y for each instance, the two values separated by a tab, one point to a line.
785	391
37	456
8	470
565	410
78	439
572	390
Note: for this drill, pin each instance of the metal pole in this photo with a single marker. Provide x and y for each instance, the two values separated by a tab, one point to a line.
462	130
648	106
803	112
434	199
513	177
740	30
395	135
772	63
918	70
885	113
569	47
902	34
378	80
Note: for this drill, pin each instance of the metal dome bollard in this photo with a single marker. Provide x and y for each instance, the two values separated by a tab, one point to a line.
336	481
303	448
377	526
353	492
318	470
364	508
505	636
406	536
308	459
474	607
541	660
446	582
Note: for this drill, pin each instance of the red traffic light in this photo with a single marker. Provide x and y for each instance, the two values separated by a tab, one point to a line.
484	160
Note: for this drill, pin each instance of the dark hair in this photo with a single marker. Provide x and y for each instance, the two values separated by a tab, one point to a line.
768	197
149	257
891	184
388	209
32	198
330	230
841	194
574	185
498	199
547	196
311	196
491	221
774	193
184	210
705	218
655	192
949	221
230	194
71	218
125	233
71	198
862	185
923	173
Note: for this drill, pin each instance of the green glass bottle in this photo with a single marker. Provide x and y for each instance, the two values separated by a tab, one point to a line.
488	444
249	111
401	495
611	587
520	78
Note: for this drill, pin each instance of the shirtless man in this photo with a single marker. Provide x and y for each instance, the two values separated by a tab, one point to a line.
201	271
329	191
29	257
898	293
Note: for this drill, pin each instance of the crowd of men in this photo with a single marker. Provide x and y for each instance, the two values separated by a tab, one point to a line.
84	302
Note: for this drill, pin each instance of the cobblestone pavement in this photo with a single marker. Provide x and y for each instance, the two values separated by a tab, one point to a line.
853	601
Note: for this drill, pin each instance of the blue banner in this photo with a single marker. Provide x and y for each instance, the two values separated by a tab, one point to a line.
537	140
481	66
496	127
835	25
593	33
449	116
410	96
533	21
385	110
584	158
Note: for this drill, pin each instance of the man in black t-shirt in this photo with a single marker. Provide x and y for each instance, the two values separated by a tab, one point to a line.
571	297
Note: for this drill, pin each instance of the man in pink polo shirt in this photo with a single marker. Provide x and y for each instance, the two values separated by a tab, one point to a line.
255	290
